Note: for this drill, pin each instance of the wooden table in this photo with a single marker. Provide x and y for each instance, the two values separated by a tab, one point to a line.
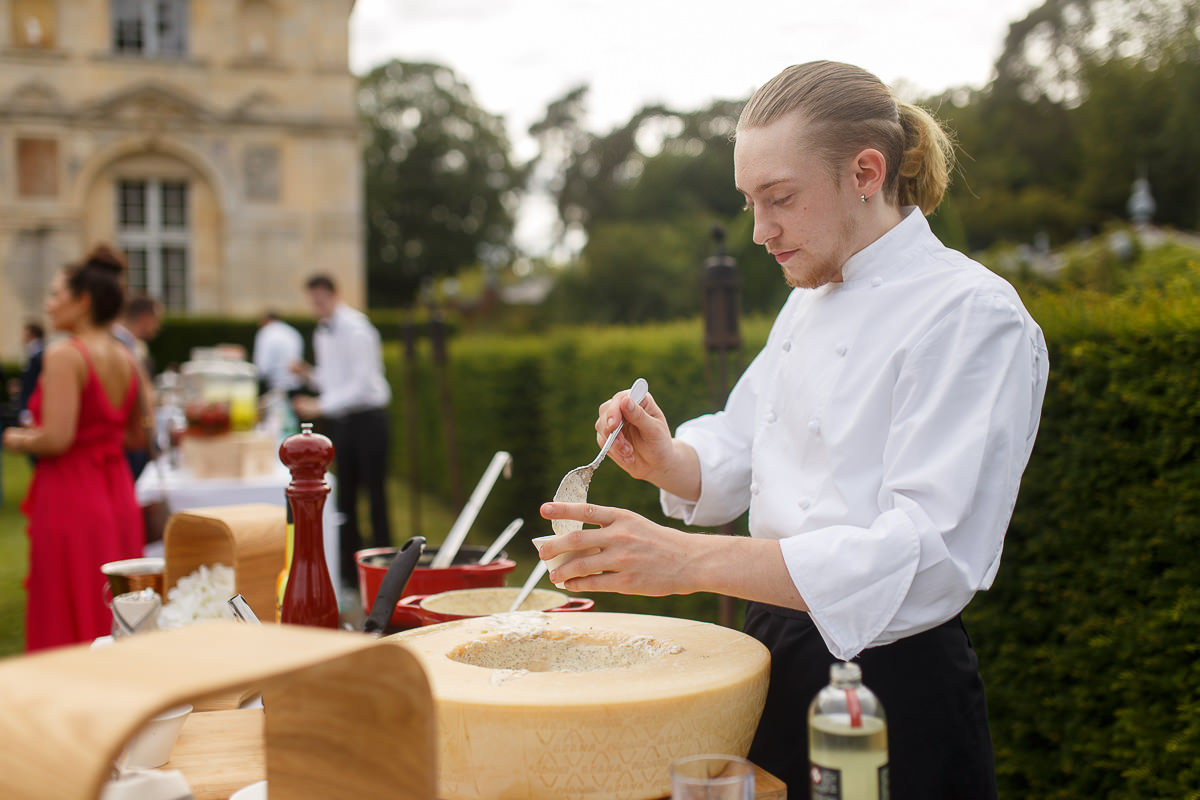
219	752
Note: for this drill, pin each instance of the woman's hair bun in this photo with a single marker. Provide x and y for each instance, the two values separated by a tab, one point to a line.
106	258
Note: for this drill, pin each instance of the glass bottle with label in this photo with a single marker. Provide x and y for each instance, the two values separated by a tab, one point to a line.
847	739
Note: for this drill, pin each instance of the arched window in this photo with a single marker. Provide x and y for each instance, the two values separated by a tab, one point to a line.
154	232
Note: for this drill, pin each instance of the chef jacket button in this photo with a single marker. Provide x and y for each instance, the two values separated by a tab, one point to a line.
804	503
814	426
754	487
771	418
841	349
876	281
787	345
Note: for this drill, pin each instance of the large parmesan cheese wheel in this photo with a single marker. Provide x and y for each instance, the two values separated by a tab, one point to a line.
533	705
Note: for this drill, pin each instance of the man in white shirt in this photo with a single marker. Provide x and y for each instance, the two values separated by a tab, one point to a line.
277	346
877	440
140	323
354	397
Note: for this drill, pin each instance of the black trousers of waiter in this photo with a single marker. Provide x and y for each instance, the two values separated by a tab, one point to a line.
360	442
939	744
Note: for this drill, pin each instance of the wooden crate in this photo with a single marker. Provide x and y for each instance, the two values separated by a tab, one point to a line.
346	715
250	538
230	455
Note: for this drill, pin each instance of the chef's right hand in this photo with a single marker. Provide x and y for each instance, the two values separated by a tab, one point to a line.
644	448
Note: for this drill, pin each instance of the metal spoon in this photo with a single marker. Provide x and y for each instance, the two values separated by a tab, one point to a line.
501	540
574	486
536	575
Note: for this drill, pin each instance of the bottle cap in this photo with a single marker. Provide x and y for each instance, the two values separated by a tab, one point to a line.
845	672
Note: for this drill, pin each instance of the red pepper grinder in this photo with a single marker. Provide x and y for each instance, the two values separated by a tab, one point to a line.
309	598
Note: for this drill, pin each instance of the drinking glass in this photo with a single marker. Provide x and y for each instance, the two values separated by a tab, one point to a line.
712	777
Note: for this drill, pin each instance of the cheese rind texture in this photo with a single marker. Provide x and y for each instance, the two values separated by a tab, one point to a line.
661	688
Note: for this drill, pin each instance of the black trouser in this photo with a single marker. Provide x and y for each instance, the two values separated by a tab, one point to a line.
361	440
939	745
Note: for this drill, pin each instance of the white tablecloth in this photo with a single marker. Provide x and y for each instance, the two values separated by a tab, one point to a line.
183	491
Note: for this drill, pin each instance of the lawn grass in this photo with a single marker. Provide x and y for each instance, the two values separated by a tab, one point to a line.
14	553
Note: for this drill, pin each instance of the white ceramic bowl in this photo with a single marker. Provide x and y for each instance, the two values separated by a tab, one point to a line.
255	791
152	745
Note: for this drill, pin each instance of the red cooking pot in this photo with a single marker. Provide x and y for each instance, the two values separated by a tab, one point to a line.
464	573
417	610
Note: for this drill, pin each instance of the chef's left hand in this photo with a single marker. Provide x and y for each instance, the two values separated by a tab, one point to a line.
636	555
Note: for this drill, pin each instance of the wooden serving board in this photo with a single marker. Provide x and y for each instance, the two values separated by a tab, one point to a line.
78	707
219	752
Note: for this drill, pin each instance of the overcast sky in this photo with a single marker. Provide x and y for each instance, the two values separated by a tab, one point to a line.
519	55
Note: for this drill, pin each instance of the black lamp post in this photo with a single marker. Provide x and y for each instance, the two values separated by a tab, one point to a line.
721	304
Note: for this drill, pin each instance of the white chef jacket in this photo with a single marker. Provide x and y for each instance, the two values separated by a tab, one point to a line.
277	346
880	435
349	364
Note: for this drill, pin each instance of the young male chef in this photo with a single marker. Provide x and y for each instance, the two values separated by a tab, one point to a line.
878	439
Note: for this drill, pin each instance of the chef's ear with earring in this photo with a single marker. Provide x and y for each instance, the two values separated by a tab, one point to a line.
870	167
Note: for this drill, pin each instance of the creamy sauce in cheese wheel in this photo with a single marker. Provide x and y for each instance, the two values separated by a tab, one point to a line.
561	651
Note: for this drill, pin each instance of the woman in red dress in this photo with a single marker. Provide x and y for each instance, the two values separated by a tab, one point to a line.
81	505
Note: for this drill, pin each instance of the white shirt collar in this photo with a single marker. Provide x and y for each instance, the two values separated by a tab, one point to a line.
878	259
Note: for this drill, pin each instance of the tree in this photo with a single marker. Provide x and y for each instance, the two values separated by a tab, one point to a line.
441	190
1045	53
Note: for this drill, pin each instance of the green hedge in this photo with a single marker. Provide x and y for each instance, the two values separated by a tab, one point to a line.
536	397
1089	639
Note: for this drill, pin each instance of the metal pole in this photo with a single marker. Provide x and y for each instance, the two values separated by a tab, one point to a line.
412	428
437	327
722	339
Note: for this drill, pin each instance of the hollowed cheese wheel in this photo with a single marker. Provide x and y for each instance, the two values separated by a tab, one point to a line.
533	705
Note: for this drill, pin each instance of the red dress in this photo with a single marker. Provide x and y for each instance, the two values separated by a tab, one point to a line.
82	513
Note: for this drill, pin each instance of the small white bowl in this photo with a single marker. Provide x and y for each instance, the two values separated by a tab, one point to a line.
559	560
255	791
151	746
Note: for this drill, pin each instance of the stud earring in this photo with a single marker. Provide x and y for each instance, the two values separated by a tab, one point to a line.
862	197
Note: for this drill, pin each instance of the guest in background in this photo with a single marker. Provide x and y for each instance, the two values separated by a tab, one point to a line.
277	346
34	335
139	326
354	396
86	409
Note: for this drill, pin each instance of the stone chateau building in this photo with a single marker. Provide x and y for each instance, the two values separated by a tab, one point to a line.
215	142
